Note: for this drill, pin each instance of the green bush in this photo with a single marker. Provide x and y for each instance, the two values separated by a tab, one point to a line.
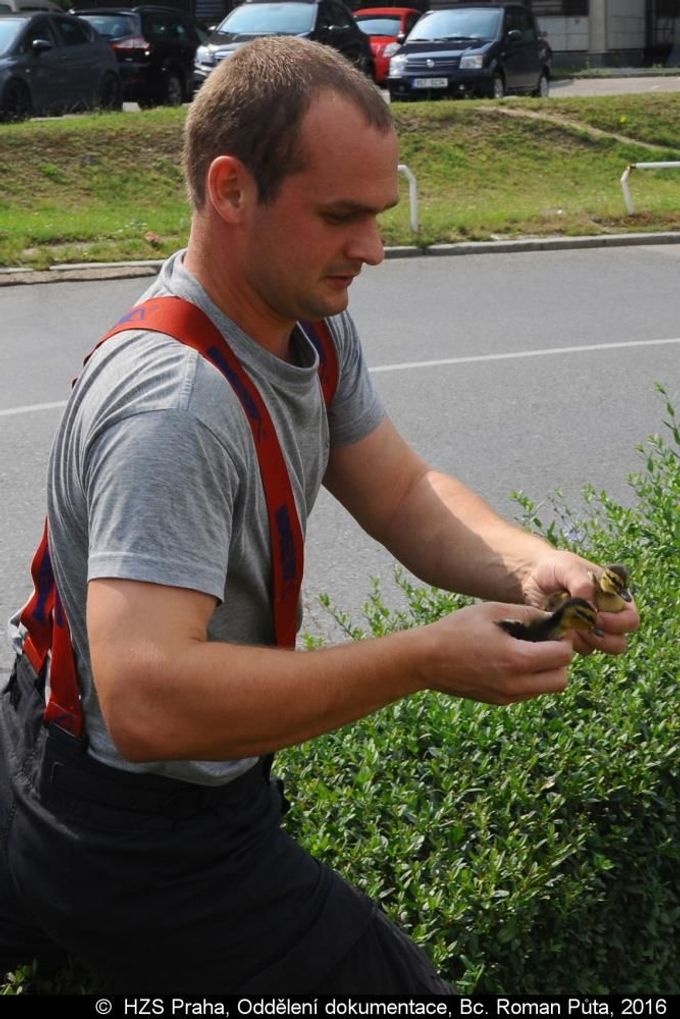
536	848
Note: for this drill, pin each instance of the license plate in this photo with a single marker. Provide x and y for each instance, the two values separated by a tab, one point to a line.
430	82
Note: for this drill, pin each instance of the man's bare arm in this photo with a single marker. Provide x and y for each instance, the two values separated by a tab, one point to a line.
450	537
435	525
167	693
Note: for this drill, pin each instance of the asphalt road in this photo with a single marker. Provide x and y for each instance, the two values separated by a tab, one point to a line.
526	371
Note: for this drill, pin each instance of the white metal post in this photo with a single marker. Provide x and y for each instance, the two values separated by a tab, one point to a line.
412	195
627	197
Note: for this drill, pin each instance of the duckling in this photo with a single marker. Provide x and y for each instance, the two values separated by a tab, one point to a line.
573	614
611	590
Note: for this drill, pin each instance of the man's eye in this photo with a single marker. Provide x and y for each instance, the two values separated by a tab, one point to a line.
338	218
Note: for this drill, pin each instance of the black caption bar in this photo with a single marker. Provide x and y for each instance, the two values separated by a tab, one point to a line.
483	1006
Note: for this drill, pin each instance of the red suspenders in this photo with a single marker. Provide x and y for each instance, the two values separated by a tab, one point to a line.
43	617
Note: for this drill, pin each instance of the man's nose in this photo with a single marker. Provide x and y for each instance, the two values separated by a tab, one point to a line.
367	245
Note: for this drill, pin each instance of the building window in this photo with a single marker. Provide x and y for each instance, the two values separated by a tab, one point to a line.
667	8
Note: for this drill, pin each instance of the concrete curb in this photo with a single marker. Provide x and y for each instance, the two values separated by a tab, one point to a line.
84	271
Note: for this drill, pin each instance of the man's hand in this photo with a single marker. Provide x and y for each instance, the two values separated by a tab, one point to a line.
565	571
476	659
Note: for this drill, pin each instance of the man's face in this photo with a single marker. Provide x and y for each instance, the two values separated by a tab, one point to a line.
305	248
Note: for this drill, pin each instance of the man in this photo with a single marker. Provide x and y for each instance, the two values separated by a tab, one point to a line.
152	848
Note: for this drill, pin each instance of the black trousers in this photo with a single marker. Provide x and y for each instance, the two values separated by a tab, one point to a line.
163	887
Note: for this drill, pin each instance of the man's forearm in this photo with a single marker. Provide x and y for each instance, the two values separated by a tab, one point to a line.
465	546
216	701
434	524
169	694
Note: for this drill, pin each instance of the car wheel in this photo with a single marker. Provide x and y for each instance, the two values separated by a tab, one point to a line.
542	90
173	91
15	102
110	94
497	89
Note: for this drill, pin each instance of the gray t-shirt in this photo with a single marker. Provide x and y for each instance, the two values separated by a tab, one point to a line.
154	477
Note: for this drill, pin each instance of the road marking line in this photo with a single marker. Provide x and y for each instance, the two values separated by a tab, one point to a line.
11	411
477	358
403	365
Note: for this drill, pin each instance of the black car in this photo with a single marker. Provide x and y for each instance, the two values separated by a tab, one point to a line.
475	49
52	63
326	21
155	47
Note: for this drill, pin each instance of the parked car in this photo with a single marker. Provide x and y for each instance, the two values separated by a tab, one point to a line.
386	28
155	47
484	50
53	63
326	21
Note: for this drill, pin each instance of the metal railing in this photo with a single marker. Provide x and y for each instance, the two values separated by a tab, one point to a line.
412	195
627	197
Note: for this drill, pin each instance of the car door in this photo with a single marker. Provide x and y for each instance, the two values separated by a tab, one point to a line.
46	69
156	30
520	46
532	48
82	60
185	41
173	49
336	27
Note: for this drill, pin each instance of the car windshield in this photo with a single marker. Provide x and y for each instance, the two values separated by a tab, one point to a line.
473	23
269	19
112	26
378	24
9	30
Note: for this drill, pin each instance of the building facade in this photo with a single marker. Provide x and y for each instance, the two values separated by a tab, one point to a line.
611	33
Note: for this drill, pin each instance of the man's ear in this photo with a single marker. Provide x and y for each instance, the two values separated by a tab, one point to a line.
230	188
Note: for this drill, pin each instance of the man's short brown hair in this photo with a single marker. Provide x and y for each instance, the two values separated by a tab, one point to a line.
252	106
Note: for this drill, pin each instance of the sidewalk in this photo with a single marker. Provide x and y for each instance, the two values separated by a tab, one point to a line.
84	271
629	80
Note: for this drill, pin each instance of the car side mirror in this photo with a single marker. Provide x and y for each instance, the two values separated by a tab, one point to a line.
41	46
401	36
514	35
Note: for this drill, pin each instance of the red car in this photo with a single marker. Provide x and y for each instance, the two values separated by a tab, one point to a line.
386	28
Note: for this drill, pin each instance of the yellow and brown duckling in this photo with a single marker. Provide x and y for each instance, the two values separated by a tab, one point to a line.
573	614
611	590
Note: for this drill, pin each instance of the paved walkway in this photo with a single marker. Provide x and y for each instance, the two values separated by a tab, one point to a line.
575	87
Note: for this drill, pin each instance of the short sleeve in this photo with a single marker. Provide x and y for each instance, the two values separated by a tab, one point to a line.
160	490
356	408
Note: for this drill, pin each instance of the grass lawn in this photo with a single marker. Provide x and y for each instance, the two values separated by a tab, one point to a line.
109	186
